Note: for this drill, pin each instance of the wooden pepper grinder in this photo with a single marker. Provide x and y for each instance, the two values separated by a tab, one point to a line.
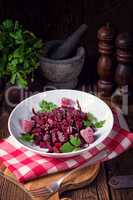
105	66
124	71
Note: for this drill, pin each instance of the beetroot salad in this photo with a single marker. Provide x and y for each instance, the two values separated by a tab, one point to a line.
60	129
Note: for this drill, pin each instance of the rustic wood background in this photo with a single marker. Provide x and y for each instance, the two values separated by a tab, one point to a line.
56	19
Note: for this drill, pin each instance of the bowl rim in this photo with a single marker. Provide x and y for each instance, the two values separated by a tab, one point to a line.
69	154
80	54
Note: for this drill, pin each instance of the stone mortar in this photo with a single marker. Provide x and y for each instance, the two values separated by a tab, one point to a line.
62	73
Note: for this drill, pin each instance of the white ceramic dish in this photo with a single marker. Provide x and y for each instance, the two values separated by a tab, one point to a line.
88	102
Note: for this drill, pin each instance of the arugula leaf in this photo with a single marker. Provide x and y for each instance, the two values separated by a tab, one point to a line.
93	121
87	123
76	149
27	137
75	141
46	106
67	147
73	145
91	117
99	124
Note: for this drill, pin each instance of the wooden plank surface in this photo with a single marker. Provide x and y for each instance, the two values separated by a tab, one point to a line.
9	191
101	185
123	165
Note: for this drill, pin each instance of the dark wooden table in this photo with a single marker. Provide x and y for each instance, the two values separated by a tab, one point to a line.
98	190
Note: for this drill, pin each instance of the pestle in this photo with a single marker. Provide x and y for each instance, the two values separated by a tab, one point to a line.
67	48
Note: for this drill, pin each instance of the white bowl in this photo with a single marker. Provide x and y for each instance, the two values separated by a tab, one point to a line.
88	102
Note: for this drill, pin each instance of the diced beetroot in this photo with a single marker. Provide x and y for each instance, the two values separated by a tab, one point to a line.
46	127
54	138
58	145
27	125
78	124
46	144
56	150
50	148
37	140
36	131
46	137
52	129
50	121
88	135
43	145
69	130
61	136
65	102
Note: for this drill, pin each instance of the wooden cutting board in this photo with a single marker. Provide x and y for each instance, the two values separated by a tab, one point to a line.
76	180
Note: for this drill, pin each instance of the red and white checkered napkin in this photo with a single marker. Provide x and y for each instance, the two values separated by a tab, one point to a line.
27	165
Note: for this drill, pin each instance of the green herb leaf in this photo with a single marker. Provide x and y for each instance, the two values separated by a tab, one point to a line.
90	121
87	123
76	149
8	24
91	117
21	81
75	141
38	44
73	145
26	137
99	124
93	121
67	147
46	106
13	78
17	36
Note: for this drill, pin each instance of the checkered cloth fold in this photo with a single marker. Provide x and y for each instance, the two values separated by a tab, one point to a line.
27	165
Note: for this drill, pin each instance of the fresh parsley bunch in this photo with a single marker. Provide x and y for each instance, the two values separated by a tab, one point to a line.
19	52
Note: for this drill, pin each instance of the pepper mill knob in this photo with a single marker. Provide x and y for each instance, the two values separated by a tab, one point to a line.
124	44
105	66
124	71
106	37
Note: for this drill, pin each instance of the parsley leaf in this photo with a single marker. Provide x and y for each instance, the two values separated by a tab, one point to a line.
67	147
91	117
76	149
93	121
46	106
99	124
87	123
75	141
73	145
27	137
